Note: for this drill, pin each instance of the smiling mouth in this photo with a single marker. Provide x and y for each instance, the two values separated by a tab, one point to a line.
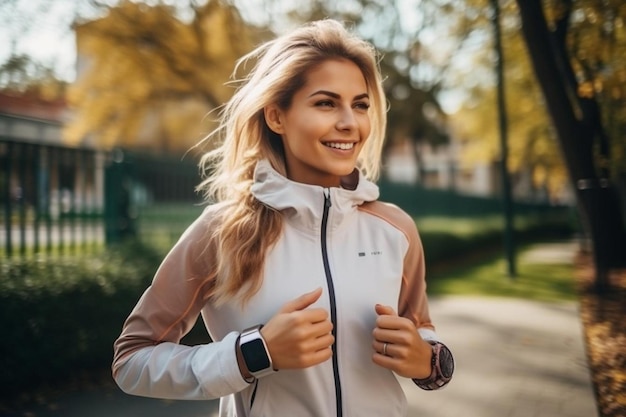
343	145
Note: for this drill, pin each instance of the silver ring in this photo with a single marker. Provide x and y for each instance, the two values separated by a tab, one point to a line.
385	348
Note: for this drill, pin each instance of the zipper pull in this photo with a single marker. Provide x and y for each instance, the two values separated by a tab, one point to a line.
327	202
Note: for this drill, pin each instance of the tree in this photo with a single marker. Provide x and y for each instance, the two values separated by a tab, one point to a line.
147	77
533	150
465	32
571	66
41	30
21	75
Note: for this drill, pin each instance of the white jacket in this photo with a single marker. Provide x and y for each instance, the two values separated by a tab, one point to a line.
362	252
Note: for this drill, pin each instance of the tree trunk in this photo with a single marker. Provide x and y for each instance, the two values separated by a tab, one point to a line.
598	202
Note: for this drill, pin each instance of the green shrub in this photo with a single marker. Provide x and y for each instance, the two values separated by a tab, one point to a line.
59	316
450	239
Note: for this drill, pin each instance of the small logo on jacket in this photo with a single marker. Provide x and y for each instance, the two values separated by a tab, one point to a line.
373	253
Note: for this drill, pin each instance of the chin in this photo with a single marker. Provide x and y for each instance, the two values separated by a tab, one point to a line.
346	169
340	171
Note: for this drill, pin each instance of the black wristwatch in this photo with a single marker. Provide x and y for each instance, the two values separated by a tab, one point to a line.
255	353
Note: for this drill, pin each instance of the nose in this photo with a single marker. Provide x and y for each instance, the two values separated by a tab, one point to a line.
346	120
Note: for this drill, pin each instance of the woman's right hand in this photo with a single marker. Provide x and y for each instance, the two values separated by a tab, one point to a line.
298	337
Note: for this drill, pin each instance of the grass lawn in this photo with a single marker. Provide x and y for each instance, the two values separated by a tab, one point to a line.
470	227
459	226
539	277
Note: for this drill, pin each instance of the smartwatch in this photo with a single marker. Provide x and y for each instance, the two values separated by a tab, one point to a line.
255	353
442	368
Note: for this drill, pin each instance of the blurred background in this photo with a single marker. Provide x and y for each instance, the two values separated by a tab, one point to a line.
507	126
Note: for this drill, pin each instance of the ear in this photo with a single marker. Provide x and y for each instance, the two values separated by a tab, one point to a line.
273	118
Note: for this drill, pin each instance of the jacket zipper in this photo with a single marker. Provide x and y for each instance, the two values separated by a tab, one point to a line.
252	397
331	295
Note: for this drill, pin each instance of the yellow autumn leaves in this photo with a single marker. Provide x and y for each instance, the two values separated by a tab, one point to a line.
147	79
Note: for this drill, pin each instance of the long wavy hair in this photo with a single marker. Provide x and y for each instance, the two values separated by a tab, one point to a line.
247	228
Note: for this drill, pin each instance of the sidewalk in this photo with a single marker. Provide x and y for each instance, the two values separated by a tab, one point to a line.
515	358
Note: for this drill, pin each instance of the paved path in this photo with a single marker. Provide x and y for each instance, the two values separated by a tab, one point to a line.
515	358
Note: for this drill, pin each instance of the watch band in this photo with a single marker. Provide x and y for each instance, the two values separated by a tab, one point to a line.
255	352
442	368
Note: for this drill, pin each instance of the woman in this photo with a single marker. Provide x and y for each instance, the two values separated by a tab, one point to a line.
312	291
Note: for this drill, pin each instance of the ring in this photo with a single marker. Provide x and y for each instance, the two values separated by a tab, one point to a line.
385	348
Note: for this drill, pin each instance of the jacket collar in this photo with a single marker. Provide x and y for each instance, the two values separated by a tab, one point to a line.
303	204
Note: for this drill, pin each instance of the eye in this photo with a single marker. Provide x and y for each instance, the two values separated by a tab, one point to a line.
361	105
325	103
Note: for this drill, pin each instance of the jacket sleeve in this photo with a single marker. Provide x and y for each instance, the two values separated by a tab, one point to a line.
148	359
413	300
413	304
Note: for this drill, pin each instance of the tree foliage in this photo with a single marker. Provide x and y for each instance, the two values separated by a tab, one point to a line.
533	150
20	74
595	37
147	77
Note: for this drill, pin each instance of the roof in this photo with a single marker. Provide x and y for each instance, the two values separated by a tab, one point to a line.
30	105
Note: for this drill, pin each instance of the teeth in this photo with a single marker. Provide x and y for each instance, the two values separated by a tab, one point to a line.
342	146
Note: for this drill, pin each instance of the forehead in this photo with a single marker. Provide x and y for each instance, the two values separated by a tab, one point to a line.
336	75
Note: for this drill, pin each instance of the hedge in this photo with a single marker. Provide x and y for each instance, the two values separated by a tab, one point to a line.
61	316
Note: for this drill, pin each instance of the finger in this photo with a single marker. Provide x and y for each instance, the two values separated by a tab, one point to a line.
302	302
322	342
385	335
383	310
308	346
321	327
305	328
385	361
395	336
312	316
315	358
379	347
394	323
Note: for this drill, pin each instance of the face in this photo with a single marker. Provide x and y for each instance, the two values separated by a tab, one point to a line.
325	128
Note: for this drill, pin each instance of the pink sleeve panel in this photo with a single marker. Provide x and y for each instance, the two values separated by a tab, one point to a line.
169	308
413	301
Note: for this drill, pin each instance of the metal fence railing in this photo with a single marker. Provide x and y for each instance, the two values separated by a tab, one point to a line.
62	200
51	198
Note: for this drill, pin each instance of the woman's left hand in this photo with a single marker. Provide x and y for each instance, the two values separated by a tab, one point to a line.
398	346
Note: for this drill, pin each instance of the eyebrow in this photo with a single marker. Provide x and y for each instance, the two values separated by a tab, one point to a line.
337	96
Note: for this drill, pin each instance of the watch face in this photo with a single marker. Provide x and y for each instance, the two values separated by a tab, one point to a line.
254	355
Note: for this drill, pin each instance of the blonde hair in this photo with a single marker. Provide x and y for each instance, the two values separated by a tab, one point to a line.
247	228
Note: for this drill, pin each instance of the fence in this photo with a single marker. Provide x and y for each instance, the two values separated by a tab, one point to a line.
63	201
420	201
50	197
152	195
